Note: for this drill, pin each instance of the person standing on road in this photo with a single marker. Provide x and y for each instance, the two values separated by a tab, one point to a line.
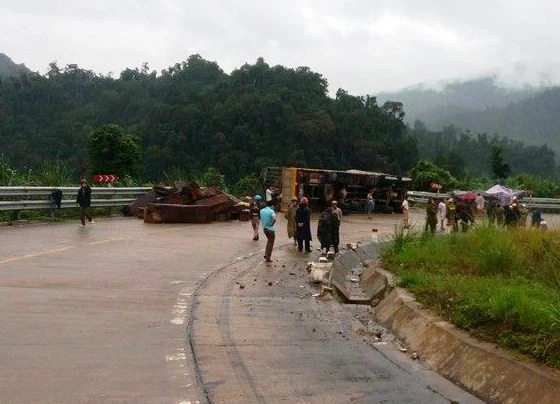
268	219
303	220
480	202
269	193
536	218
405	214
84	201
337	212
431	216
451	214
255	209
291	218
325	229
500	215
370	203
442	213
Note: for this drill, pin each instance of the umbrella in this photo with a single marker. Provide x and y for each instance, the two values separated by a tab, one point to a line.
504	194
466	196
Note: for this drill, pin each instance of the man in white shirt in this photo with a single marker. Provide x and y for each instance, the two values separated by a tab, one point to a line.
370	201
442	214
405	207
269	193
479	204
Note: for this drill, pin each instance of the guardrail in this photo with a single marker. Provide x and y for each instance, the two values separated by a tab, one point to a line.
542	203
17	199
531	203
422	197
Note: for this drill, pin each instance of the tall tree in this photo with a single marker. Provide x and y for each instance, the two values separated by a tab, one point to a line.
113	151
500	168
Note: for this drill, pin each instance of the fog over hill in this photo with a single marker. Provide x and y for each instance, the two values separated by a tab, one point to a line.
8	68
528	114
436	107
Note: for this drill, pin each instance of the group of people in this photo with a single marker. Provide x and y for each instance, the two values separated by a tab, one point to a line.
460	212
513	215
298	216
453	213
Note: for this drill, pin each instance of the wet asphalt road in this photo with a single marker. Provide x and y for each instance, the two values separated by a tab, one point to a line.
125	312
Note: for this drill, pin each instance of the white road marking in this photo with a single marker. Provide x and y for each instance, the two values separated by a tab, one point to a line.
36	254
57	250
109	240
177	357
180	308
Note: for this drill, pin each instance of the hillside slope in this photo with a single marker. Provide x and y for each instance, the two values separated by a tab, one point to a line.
529	114
10	69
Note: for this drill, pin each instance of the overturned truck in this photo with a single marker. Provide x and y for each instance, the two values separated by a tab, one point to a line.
187	204
349	188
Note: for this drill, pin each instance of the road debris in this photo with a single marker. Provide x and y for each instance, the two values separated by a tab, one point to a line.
187	204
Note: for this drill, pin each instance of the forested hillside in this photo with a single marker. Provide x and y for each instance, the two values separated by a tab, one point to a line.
534	120
464	154
525	114
439	107
192	116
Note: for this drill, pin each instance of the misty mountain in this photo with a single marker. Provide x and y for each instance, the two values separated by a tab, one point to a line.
437	108
10	69
526	114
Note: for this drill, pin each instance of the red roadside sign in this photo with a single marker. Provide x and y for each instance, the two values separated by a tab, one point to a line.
104	178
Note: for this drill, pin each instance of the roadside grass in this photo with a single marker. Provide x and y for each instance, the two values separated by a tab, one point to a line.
501	285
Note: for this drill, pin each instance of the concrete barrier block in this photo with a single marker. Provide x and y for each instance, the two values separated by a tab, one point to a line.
368	252
374	284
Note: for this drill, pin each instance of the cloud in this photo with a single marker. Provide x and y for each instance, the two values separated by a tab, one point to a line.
359	45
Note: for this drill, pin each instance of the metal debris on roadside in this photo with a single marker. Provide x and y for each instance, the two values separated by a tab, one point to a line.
187	204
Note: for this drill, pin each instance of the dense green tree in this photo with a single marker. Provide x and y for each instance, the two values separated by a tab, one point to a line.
424	173
500	168
247	186
192	116
113	151
213	178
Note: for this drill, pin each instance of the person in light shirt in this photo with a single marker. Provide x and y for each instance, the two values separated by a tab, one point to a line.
442	213
405	208
268	219
479	204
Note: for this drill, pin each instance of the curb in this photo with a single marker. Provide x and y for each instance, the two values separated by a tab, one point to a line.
481	368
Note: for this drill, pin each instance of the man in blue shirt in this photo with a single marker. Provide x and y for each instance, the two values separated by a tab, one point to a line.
268	219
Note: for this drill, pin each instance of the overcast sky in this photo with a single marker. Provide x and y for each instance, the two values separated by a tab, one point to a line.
362	46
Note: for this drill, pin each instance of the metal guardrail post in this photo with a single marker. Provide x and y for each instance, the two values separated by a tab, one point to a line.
16	215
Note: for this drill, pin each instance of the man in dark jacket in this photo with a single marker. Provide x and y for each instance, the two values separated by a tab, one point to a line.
303	223
431	216
84	201
326	230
